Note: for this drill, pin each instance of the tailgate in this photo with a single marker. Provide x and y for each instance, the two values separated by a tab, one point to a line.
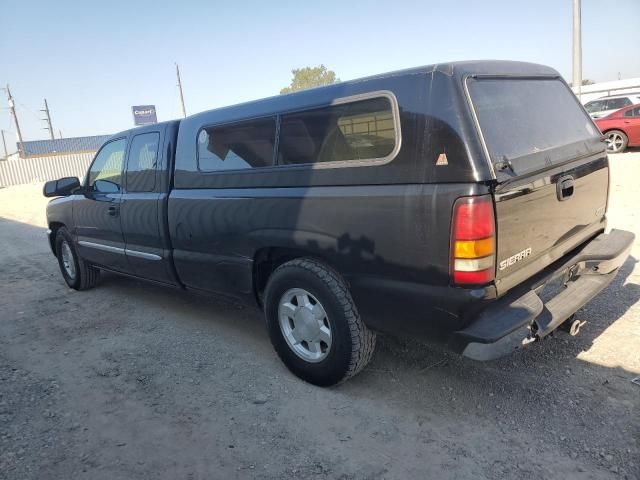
551	169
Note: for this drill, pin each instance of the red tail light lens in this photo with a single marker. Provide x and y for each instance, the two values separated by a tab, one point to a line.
473	241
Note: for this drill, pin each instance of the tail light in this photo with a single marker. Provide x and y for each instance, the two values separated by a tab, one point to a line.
473	241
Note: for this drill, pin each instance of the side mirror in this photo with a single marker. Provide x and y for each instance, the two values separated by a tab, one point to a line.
62	187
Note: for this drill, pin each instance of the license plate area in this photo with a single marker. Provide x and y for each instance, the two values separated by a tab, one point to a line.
558	282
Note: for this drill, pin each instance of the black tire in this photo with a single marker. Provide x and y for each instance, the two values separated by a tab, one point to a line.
352	343
85	276
617	141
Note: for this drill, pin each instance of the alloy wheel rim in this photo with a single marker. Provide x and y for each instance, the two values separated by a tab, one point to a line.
67	260
614	142
305	325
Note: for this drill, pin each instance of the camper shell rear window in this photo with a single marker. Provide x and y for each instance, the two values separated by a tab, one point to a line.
525	122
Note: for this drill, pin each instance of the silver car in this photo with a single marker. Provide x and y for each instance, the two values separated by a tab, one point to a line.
606	105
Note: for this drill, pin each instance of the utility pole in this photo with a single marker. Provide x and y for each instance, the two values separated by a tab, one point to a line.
577	49
48	119
4	144
12	111
184	112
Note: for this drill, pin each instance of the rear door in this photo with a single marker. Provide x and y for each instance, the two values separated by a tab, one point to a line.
551	169
96	212
144	205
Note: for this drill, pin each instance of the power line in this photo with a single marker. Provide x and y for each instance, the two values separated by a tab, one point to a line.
27	109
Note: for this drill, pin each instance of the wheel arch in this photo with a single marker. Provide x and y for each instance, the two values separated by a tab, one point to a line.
53	228
267	259
619	129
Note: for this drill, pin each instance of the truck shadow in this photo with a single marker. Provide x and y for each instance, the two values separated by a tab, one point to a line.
603	311
406	350
544	398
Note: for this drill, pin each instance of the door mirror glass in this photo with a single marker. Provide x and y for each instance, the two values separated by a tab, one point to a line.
61	188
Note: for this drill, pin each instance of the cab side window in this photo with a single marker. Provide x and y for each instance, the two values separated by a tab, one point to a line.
616	103
358	130
105	175
142	162
237	146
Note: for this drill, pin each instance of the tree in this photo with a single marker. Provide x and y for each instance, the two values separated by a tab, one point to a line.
309	77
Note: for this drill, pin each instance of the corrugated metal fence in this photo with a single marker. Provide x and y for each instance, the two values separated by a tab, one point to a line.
30	170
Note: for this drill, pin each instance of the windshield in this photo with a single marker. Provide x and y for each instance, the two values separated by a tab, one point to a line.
596	106
522	117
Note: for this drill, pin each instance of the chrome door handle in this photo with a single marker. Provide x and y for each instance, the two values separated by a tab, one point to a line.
565	187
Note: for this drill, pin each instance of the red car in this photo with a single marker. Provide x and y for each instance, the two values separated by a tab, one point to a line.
621	128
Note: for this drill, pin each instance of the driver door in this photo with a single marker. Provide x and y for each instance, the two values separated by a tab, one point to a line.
97	211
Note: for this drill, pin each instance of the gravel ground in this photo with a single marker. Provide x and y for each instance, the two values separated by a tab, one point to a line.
131	380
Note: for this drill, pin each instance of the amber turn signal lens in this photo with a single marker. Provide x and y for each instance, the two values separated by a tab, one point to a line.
473	241
474	248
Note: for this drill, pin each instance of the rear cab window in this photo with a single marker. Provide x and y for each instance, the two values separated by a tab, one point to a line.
525	122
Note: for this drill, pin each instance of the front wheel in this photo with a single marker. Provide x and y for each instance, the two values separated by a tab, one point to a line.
616	141
75	271
314	324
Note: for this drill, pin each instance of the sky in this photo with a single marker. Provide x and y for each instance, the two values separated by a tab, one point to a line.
92	61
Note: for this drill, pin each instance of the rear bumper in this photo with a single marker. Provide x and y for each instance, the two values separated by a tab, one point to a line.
521	316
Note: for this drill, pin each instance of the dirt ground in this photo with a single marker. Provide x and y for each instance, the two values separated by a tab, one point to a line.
131	380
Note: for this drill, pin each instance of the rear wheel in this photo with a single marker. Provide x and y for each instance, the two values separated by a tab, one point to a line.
616	141
314	325
76	272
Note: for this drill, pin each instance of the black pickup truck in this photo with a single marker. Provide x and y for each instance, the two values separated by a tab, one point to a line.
444	201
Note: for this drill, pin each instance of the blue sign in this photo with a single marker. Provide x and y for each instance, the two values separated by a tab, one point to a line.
144	114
